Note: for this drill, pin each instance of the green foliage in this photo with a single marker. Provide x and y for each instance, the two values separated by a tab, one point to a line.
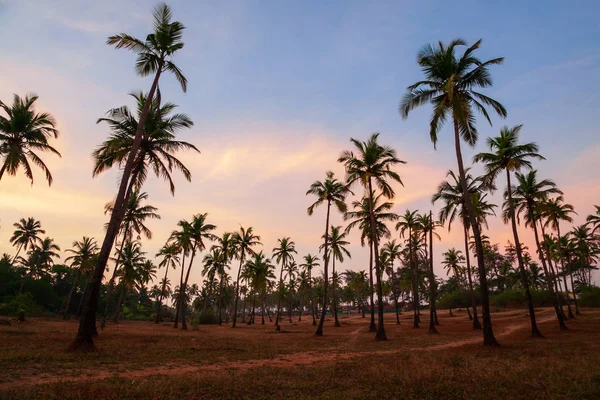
517	299
20	306
460	298
590	296
208	318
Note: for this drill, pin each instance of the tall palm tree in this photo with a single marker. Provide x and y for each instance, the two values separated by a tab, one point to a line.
170	259
450	85
507	154
451	193
337	243
427	227
155	56
372	166
134	269
259	272
157	148
310	262
528	196
330	191
283	254
392	251
361	218
244	240
408	225
453	262
22	133
199	232
83	253
26	236
291	272
594	220
227	245
134	221
556	210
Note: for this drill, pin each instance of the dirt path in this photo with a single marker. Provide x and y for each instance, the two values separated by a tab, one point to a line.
283	361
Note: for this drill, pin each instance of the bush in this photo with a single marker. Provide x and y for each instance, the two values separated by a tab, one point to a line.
517	299
590	296
457	299
208	318
20	306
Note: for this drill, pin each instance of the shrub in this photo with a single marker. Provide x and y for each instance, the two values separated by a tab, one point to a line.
20	306
590	296
517	299
207	318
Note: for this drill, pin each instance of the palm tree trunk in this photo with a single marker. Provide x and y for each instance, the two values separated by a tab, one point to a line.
335	316
177	303
476	323
372	326
549	278
17	254
290	303
111	283
65	310
380	335
220	299
251	319
278	315
562	265
182	290
312	298
415	291
244	309
23	283
262	314
488	332
573	285
87	324
160	296
119	302
395	295
237	290
432	294
319	331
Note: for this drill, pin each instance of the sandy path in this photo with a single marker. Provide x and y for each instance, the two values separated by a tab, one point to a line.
283	361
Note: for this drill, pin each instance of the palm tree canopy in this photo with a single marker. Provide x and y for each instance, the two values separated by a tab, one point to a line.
337	243
372	161
528	196
594	220
136	214
450	85
360	217
556	210
83	252
507	154
283	254
244	240
156	52
158	146
23	132
330	190
27	233
453	260
170	255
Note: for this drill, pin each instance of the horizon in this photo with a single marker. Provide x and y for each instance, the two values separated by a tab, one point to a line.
273	109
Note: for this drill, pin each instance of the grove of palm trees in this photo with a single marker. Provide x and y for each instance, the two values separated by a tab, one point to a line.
483	285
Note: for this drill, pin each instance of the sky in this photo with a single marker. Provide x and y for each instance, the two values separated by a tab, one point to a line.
277	89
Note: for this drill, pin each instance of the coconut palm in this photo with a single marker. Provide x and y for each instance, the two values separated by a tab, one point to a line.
23	132
244	240
134	269
585	252
528	196
453	261
361	218
310	262
157	148
450	85
170	259
283	255
392	251
81	260
330	191
594	220
26	236
408	225
507	154
259	271
338	249
40	259
291	272
372	166
155	56
427	228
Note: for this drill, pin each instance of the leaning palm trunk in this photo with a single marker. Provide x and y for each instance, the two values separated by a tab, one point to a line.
183	291
524	278
488	332
177	302
380	335
476	323
319	331
372	326
87	324
333	299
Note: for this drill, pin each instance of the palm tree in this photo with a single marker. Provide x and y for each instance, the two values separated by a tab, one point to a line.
26	236
338	245
310	262
259	271
427	226
370	166
134	220
83	255
291	272
154	57
39	260
22	133
132	271
452	261
329	191
283	256
506	154
170	259
451	193
199	231
556	210
407	226
585	252
450	86
244	240
361	218
212	263
594	220
227	245
528	196
158	145
392	251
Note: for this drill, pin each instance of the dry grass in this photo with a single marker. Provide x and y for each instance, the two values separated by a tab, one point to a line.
143	360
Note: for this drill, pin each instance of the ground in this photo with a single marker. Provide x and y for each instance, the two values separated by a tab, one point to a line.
138	360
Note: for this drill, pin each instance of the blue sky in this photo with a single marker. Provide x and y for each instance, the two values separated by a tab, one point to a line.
276	89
